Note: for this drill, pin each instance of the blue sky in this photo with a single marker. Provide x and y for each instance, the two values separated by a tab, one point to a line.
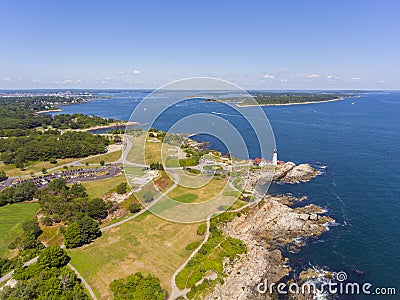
301	44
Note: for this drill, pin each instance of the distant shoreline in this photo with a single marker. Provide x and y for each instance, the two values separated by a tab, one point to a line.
49	111
287	104
112	125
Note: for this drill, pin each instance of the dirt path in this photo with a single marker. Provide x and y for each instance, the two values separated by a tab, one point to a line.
87	286
175	291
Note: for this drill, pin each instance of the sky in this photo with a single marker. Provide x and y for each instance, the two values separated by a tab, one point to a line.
307	44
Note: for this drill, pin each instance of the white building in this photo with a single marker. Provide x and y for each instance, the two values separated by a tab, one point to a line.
275	158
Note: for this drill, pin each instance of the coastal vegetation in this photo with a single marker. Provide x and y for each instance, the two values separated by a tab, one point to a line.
271	98
29	136
285	98
50	145
20	116
209	259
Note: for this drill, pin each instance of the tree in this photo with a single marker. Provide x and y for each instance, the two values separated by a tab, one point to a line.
25	191
121	188
96	208
31	229
72	235
135	207
137	286
77	190
53	160
89	229
3	175
102	162
44	170
53	256
58	185
47	221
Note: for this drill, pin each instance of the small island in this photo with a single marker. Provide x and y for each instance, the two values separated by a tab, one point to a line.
281	98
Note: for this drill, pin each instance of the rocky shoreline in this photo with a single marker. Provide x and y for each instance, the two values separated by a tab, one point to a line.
265	229
292	173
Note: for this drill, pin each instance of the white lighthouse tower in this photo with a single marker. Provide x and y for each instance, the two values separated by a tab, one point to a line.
275	158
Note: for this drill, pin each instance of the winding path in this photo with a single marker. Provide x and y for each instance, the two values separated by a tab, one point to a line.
87	286
175	291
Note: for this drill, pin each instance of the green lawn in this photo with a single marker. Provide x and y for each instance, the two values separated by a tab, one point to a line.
108	158
11	218
186	198
98	188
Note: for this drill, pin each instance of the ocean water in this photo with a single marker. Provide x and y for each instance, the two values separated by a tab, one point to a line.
358	140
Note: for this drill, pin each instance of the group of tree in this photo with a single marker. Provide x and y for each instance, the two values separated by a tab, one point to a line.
137	286
122	188
22	192
19	115
50	145
78	121
295	97
83	231
28	244
3	175
72	206
49	278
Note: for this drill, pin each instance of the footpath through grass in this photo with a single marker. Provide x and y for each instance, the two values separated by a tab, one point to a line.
147	244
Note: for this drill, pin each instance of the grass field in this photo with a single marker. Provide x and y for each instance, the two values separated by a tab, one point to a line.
11	218
151	245
98	188
108	158
203	193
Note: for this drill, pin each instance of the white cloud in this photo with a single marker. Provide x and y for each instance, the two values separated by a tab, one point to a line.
309	76
121	73
66	81
355	79
136	72
268	76
8	79
382	81
284	80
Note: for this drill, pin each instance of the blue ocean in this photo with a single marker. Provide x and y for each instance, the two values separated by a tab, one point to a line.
358	140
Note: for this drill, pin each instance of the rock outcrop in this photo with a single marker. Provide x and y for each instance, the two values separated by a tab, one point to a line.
264	229
292	173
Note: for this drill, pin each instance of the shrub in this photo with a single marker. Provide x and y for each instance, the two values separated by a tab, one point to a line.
201	230
135	207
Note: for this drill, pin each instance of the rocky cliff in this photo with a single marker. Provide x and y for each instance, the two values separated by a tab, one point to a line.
292	173
264	229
